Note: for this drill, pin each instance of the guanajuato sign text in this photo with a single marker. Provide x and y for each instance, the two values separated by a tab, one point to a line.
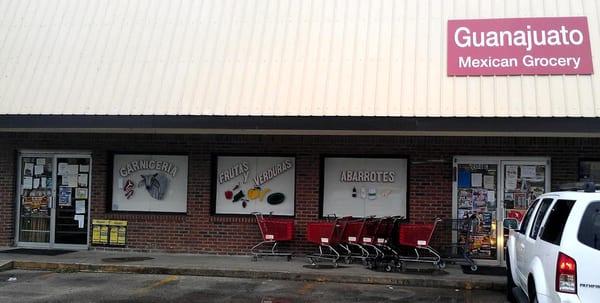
519	46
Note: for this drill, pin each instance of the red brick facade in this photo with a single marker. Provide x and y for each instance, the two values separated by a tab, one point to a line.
430	184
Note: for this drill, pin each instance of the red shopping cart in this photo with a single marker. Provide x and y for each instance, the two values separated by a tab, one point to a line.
274	231
359	239
326	235
368	237
350	239
416	238
387	254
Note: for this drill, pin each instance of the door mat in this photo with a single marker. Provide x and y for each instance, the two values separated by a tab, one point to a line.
485	270
37	252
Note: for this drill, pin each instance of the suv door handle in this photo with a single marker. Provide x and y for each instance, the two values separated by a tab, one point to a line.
522	245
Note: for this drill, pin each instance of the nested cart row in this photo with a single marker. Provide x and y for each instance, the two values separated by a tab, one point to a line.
388	243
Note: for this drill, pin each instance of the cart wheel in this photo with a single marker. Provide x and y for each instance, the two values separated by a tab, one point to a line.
473	267
388	268
347	260
289	258
335	264
365	262
370	265
401	266
441	265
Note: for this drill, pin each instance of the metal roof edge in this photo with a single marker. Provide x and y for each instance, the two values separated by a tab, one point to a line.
212	124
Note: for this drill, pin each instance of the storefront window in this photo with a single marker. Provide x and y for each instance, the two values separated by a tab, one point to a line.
247	184
589	171
361	187
150	183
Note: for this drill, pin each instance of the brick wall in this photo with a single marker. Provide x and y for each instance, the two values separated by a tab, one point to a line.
430	184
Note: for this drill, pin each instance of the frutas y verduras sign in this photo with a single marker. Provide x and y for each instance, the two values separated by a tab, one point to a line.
519	46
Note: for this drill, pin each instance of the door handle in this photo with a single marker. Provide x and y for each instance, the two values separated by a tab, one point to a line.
50	202
522	245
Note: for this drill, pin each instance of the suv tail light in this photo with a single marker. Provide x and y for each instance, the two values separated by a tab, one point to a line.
566	274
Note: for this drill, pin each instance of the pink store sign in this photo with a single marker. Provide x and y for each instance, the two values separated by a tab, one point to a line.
519	46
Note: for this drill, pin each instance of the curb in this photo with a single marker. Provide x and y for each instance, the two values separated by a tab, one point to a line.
7	265
340	278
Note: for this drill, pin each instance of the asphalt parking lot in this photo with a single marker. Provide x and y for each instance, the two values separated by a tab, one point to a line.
40	286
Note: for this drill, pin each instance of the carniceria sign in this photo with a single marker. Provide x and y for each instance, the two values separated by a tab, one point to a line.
156	182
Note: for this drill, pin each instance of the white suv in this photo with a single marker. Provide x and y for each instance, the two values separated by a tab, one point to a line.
555	254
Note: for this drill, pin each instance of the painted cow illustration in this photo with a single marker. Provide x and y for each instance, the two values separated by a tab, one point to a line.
156	185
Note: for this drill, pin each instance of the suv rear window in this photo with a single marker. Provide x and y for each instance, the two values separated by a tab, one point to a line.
589	230
555	224
537	222
527	217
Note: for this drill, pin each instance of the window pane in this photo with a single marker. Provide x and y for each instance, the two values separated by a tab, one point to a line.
527	217
539	217
589	230
557	218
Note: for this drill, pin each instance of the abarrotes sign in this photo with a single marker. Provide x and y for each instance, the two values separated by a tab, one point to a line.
519	46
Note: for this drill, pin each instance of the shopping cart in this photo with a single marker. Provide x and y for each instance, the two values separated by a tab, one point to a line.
274	231
351	238
383	233
326	235
461	232
368	237
414	240
387	254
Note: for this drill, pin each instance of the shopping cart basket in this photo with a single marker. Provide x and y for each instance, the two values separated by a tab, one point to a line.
461	232
386	253
326	235
274	231
368	237
416	239
351	238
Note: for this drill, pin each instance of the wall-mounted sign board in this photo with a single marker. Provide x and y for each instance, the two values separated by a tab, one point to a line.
362	187
519	46
247	184
150	183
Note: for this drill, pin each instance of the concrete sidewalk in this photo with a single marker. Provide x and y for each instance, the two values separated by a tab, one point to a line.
244	267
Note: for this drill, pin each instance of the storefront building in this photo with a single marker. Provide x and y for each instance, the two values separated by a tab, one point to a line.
169	125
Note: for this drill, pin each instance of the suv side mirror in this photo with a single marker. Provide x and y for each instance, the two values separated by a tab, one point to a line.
510	223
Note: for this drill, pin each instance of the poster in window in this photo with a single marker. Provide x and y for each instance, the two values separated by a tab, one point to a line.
364	186
150	183
247	184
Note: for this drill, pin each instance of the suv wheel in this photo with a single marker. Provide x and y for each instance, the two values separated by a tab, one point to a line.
510	283
532	293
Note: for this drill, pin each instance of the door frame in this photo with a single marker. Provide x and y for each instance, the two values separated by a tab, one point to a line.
54	154
500	212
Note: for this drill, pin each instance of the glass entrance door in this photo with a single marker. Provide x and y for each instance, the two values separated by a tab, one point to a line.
522	181
54	195
490	189
36	197
72	186
476	195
